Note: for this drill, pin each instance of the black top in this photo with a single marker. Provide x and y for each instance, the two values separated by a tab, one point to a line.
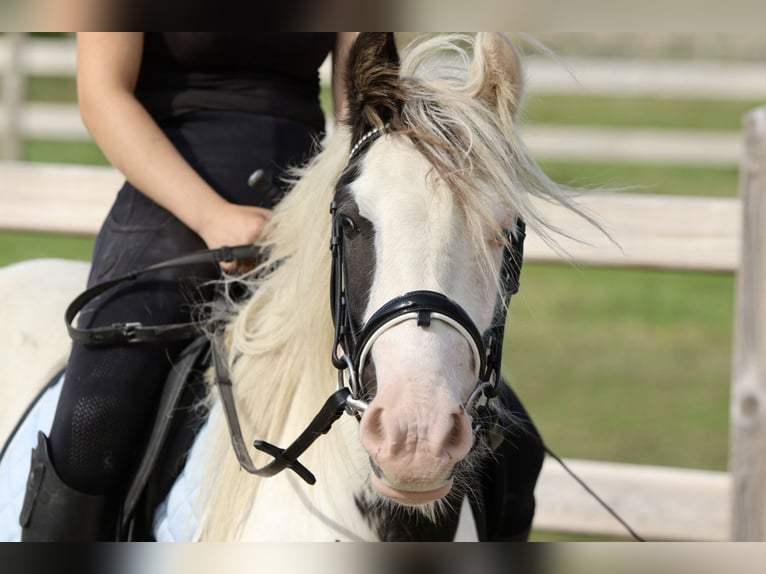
269	73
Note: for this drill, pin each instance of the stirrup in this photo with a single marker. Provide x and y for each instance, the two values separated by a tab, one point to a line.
54	512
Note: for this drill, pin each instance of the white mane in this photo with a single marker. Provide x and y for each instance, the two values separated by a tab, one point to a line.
280	339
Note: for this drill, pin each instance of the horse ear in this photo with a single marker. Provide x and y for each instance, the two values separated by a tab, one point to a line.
496	74
373	88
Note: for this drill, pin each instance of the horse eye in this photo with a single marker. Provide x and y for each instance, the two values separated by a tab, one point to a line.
349	226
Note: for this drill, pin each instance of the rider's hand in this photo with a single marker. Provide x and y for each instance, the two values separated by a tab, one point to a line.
232	225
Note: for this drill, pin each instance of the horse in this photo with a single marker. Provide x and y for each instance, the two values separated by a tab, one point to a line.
411	217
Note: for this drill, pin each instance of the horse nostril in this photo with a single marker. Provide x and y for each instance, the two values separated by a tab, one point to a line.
372	425
455	435
460	438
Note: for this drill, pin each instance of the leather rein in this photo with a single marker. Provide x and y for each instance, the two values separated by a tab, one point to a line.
351	346
354	347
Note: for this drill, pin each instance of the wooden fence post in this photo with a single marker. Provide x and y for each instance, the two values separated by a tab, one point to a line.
14	86
748	401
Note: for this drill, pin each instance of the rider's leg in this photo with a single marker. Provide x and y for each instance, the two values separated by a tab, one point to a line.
110	392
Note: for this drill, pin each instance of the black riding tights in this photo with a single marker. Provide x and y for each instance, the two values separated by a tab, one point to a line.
110	393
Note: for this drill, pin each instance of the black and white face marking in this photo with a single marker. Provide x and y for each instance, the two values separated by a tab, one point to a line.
359	257
358	246
424	249
400	251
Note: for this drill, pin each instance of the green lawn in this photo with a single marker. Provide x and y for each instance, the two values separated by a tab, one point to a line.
52	89
641	178
17	246
637	112
622	365
86	153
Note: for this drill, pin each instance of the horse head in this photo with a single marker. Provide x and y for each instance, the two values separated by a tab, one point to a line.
428	180
421	225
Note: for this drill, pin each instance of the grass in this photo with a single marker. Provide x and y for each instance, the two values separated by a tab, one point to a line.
18	246
622	365
637	112
642	178
52	89
82	153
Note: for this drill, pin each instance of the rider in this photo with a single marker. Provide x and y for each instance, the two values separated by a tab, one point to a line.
186	117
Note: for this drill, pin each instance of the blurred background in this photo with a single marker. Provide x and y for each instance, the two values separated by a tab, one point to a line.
618	365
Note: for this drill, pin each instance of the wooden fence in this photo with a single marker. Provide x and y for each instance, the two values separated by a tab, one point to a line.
690	234
722	235
21	58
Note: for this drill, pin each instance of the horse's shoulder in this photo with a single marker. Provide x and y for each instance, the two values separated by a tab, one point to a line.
33	339
36	287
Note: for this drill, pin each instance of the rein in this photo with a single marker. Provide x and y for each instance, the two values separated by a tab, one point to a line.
354	345
135	332
423	306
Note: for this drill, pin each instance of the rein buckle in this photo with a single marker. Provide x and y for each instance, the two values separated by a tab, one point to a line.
128	330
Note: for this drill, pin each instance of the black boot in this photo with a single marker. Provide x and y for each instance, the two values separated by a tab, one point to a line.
53	512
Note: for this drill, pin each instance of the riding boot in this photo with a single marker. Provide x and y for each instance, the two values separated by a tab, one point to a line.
54	512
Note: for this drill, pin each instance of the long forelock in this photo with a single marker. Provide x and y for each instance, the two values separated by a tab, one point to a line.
474	146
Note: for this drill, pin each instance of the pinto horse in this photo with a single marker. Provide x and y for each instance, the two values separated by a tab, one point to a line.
421	197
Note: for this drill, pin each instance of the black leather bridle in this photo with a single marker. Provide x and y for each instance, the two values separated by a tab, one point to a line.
351	346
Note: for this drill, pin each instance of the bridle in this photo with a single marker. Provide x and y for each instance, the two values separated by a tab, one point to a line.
351	348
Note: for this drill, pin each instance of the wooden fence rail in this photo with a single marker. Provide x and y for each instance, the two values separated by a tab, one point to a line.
21	57
649	231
